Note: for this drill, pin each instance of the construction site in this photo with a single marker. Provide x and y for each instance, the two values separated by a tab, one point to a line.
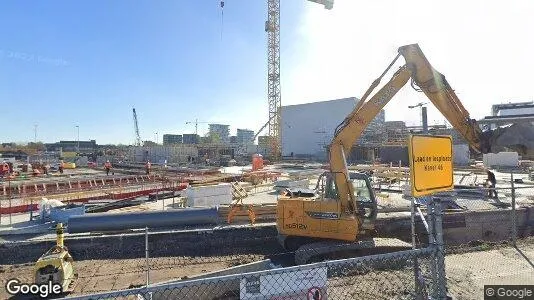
327	200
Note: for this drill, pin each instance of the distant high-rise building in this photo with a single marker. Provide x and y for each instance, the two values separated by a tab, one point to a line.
188	138
172	139
233	139
245	136
221	131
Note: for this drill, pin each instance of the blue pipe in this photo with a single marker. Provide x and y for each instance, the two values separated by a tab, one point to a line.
100	222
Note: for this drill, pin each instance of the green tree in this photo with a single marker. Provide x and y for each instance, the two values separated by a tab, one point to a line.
212	138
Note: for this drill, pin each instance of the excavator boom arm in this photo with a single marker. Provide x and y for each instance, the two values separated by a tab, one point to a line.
351	129
429	81
440	93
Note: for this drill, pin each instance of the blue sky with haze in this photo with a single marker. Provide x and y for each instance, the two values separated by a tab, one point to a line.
65	63
87	63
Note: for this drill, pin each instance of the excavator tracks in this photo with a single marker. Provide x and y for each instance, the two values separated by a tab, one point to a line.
333	249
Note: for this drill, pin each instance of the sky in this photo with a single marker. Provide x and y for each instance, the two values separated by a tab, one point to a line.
87	63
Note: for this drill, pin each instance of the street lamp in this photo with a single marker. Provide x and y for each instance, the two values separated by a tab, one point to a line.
78	144
423	115
35	133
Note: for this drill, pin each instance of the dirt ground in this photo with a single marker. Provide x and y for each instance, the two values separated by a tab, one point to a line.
467	273
107	275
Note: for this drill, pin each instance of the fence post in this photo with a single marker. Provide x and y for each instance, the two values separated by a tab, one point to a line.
441	284
514	212
9	185
432	243
418	287
31	208
146	256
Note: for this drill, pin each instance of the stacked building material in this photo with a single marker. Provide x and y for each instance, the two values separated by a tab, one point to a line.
501	159
209	196
283	184
262	212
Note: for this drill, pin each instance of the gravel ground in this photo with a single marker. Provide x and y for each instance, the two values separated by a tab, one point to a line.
107	275
467	272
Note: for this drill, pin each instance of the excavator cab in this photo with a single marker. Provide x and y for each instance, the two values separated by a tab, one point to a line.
364	197
306	216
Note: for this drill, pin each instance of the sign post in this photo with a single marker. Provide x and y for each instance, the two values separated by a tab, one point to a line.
431	172
430	164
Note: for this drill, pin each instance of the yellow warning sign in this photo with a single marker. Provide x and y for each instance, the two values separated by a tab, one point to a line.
430	164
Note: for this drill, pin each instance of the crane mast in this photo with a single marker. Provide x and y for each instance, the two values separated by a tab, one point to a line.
272	27
136	128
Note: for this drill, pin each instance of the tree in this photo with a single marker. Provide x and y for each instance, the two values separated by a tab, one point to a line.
212	138
39	146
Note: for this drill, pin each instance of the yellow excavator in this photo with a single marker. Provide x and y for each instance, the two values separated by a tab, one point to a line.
340	213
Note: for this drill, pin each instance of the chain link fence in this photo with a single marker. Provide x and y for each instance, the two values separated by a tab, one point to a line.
491	242
398	275
405	274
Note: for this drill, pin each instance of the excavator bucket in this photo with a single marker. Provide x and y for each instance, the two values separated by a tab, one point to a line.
518	137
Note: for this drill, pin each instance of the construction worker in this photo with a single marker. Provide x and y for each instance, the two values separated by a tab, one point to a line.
107	166
147	167
5	169
61	166
491	182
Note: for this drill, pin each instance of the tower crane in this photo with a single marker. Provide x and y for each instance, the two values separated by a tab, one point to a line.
424	120
196	122
136	128
272	27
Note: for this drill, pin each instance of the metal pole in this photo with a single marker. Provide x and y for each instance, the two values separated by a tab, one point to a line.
415	262
146	256
163	200
432	243
425	121
31	208
78	144
514	212
441	292
9	186
412	211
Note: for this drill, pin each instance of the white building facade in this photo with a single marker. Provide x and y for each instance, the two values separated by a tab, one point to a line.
307	129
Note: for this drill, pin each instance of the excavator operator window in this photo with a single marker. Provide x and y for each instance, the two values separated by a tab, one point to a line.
328	186
361	191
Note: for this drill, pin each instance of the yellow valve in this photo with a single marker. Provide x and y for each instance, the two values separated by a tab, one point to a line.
59	231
